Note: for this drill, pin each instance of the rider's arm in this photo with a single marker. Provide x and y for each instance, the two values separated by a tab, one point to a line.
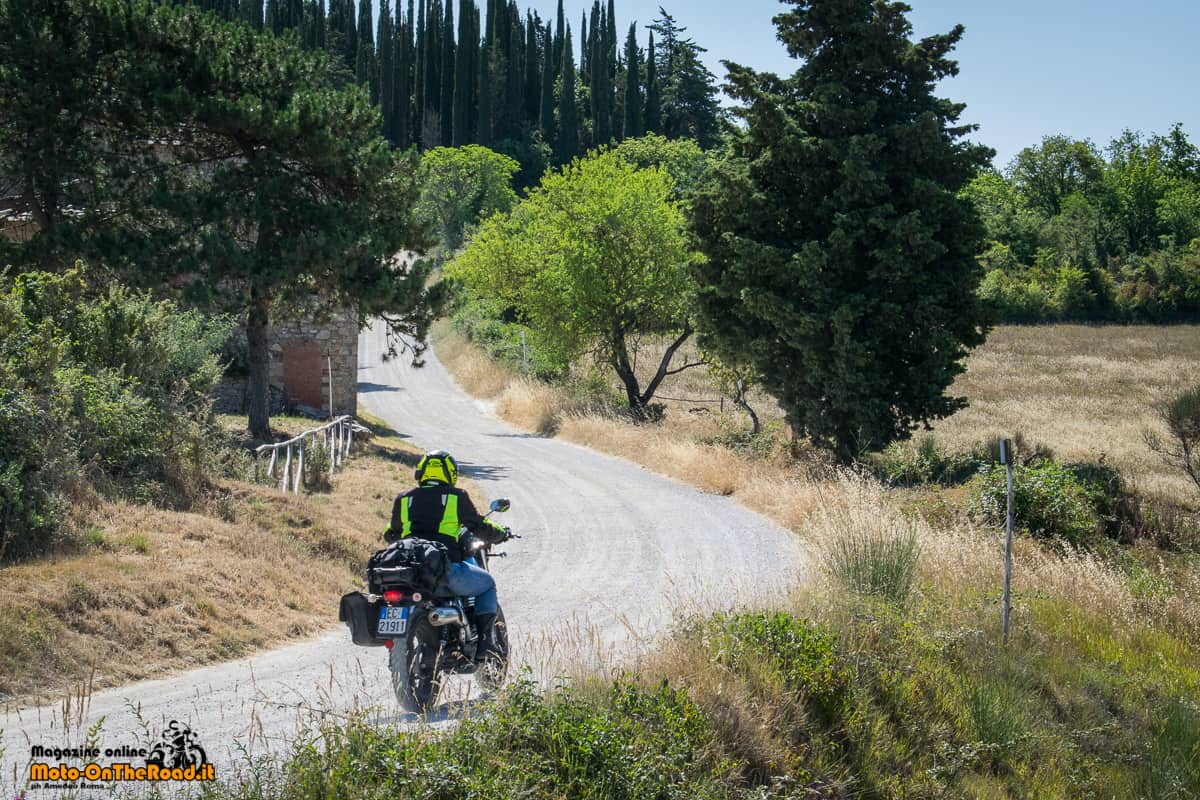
473	521
394	530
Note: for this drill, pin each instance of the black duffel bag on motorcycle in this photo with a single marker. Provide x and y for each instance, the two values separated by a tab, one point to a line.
414	563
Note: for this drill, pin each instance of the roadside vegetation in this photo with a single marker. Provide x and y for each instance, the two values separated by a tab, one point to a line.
242	568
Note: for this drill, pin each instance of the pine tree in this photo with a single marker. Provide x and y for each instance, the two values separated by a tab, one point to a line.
633	89
566	145
841	260
652	119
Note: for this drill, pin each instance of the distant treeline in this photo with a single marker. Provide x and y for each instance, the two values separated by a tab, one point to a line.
1080	233
505	79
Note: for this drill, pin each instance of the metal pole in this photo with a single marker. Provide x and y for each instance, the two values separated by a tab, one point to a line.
524	353
1009	520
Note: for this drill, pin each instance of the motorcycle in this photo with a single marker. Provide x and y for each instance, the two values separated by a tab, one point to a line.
432	636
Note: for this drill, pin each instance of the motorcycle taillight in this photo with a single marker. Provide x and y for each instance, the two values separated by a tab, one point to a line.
393	596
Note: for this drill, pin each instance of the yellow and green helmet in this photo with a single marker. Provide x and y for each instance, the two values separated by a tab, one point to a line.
437	465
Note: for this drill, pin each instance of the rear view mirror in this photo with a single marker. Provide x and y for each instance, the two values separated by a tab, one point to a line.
501	505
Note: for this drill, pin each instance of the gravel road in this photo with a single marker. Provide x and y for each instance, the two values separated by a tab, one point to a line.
609	553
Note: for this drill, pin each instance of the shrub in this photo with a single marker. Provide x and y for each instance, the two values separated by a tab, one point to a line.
900	464
1051	501
117	385
1181	448
804	655
876	563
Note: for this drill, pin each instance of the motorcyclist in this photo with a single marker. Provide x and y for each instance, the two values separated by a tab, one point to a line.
438	510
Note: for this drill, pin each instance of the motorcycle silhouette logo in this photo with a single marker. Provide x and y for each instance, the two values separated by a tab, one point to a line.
178	747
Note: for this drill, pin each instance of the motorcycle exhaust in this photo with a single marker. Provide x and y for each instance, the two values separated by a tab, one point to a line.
440	617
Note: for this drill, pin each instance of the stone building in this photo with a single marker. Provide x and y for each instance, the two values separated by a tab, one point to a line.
305	351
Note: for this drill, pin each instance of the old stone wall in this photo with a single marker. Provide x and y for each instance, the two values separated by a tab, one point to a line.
304	350
303	354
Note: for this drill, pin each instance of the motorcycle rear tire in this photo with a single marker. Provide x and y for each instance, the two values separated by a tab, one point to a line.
415	666
490	675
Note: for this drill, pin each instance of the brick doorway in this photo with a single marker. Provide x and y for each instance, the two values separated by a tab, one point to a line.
303	366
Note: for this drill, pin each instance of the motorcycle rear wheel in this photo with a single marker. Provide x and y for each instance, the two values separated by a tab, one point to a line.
415	666
490	675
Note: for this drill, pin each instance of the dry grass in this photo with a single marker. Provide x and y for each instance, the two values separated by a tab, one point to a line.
157	591
1084	391
825	507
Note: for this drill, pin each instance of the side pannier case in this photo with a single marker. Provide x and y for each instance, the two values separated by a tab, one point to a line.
362	618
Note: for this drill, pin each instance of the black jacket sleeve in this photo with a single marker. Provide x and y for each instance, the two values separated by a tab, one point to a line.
393	532
473	521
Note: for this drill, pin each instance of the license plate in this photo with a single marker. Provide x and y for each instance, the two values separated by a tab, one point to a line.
393	620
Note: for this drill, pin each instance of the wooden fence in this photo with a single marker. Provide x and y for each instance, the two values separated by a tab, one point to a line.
335	437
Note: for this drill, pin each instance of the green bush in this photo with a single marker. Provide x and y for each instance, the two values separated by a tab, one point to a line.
901	464
805	657
107	393
1051	502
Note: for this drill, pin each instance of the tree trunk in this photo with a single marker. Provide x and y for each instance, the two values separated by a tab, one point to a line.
260	363
740	402
664	365
624	369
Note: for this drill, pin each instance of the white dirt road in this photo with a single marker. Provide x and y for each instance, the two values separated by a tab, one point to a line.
609	551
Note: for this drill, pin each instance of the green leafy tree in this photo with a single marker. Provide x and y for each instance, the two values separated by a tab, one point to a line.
460	186
841	261
594	258
683	160
1048	174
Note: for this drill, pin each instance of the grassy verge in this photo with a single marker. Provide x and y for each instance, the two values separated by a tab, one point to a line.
154	591
1096	695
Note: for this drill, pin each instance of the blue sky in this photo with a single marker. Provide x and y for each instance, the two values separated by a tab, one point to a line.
1085	68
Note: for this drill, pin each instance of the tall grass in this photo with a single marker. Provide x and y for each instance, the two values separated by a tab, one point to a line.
876	563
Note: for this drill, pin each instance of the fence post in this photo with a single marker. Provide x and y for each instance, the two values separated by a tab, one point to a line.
1006	458
349	423
299	467
287	469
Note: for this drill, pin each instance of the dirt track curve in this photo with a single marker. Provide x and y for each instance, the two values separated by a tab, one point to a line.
608	551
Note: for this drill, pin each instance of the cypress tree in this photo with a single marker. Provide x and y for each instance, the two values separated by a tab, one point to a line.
533	85
446	110
364	61
841	259
349	36
252	12
404	80
433	61
546	115
463	77
652	120
387	70
419	72
633	89
274	20
484	88
567	145
559	37
583	48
